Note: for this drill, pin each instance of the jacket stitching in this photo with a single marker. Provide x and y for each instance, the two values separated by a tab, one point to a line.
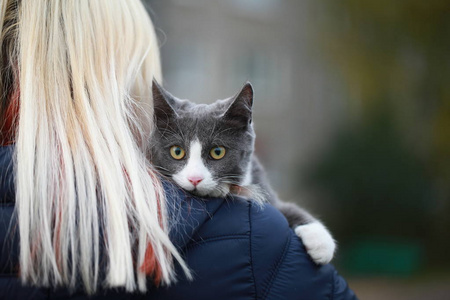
250	249
277	268
198	226
333	286
216	239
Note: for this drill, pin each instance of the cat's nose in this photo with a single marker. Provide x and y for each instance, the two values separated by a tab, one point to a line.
195	180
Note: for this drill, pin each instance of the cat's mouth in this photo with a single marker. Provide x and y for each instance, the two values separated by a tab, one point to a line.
220	190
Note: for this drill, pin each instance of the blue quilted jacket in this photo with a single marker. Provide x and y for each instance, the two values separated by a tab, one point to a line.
235	249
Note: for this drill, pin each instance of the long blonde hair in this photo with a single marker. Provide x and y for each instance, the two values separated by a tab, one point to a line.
83	185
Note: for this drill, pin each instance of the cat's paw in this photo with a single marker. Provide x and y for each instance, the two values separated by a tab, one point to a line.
319	243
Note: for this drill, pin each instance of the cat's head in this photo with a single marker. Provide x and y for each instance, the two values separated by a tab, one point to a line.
205	149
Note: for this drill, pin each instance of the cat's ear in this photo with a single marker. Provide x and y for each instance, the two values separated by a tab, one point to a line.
240	110
162	107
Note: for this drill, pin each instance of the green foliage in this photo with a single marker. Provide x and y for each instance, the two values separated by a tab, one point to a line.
396	52
374	184
384	257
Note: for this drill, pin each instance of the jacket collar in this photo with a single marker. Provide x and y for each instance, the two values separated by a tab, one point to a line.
6	175
186	213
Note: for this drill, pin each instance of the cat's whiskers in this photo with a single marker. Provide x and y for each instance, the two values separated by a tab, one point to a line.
168	133
212	132
217	141
223	191
180	132
221	132
227	178
162	168
231	175
172	134
164	171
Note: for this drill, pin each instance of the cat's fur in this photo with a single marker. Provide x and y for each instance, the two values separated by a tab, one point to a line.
197	128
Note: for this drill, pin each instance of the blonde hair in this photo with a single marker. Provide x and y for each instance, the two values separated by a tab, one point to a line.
83	185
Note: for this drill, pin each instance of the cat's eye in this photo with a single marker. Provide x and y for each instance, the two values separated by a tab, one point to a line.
217	152
177	152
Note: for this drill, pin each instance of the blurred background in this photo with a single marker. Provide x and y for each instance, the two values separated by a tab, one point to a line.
352	115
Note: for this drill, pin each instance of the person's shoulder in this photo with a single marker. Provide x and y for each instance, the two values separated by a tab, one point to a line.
246	251
282	267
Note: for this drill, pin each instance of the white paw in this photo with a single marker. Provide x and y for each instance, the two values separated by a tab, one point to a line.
318	242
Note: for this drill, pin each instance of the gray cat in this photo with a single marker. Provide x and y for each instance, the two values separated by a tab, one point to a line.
208	151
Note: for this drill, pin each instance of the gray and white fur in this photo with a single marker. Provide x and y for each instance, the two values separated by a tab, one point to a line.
208	150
